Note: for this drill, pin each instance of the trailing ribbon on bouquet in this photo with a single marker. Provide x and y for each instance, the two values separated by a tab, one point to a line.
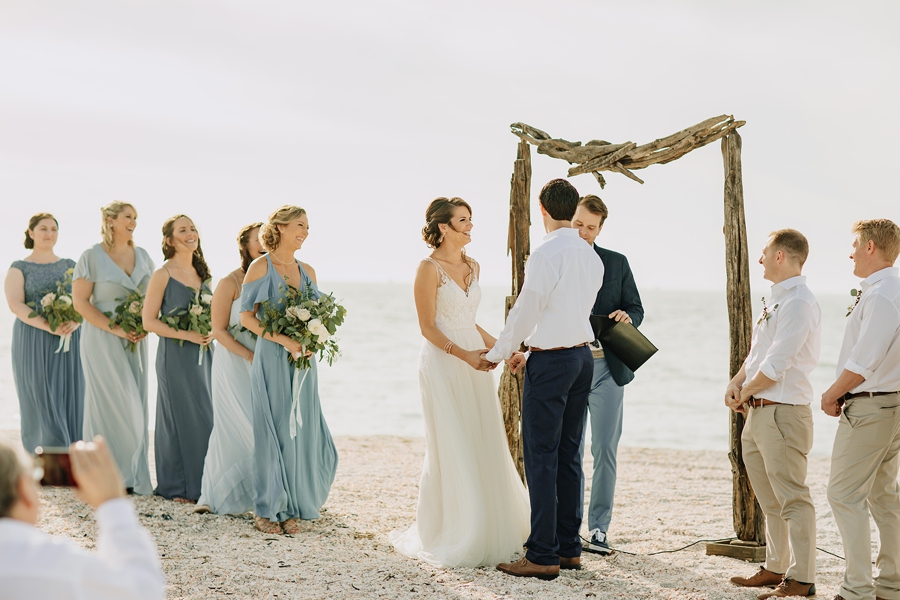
296	419
64	342
200	356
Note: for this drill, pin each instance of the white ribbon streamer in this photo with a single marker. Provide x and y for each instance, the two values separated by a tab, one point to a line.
200	357
296	387
64	342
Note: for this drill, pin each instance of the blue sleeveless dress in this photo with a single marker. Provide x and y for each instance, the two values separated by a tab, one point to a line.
50	386
291	477
184	413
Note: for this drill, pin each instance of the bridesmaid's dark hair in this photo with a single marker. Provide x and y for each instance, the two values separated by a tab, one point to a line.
243	239
440	211
199	264
32	223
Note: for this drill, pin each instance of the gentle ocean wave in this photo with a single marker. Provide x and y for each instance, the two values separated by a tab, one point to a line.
676	400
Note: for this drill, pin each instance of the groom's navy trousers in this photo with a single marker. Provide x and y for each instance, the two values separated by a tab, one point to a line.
557	384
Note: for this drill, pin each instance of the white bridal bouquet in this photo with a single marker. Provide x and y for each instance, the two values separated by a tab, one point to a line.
196	317
57	308
311	322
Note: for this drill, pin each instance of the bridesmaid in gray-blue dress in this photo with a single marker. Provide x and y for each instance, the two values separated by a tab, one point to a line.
184	416
292	474
50	385
115	397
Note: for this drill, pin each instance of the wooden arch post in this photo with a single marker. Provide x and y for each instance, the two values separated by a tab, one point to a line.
596	156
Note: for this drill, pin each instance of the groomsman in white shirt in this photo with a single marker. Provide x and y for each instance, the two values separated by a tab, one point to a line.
773	389
562	278
866	454
35	566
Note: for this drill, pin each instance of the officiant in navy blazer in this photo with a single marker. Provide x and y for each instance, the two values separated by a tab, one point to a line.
619	298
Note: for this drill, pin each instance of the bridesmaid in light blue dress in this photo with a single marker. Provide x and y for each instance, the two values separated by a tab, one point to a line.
227	486
292	474
49	384
184	416
115	400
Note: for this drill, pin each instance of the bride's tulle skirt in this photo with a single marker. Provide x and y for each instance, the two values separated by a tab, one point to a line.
473	509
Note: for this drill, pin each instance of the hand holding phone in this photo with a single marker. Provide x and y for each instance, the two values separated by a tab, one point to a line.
56	465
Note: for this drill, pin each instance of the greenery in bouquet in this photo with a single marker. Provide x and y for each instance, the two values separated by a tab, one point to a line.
196	317
306	319
57	306
127	315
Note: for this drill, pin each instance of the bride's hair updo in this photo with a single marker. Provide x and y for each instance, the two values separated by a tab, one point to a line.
269	236
440	211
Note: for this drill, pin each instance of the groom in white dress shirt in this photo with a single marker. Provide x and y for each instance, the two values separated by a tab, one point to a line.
562	278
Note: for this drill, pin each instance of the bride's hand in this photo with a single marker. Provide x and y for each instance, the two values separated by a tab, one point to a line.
476	360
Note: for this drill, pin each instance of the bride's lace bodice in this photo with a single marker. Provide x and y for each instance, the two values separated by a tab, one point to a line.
454	309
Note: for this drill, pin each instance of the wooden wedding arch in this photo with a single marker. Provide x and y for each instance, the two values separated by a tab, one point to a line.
594	157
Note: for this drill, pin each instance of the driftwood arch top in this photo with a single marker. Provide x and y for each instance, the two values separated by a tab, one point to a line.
599	155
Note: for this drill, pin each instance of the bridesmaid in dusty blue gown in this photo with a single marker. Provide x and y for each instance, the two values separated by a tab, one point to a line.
50	385
184	417
292	475
115	397
227	486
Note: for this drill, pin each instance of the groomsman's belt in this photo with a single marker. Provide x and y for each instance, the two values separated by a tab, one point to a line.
536	349
760	402
846	397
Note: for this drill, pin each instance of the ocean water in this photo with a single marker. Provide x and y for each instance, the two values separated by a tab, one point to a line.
676	400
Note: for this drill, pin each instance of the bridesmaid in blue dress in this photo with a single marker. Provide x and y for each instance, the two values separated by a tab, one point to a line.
115	397
227	486
50	385
292	475
184	417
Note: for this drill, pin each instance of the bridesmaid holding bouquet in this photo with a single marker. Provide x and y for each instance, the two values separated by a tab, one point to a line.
227	486
292	472
49	381
115	361
184	416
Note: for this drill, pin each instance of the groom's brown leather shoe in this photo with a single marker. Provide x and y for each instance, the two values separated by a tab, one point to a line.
526	568
570	563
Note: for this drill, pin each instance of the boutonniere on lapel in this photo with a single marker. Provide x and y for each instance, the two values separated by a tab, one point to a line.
766	313
856	294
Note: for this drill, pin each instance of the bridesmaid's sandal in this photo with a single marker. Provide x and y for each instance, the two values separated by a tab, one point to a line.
202	509
266	526
291	527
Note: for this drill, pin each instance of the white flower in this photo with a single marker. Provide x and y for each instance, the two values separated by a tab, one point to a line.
205	298
303	314
65	301
196	309
297	314
317	328
48	300
135	308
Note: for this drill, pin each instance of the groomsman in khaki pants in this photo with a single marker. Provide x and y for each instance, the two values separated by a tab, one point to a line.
866	455
773	390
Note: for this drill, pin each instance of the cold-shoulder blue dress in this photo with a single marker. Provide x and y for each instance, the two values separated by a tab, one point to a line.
184	412
291	476
115	397
50	385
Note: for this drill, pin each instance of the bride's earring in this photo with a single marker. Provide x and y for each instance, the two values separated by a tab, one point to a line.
441	239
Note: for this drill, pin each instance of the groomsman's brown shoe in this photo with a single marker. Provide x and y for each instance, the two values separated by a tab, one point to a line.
790	588
526	568
573	563
762	578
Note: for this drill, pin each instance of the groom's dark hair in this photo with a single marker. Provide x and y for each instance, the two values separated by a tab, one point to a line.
560	199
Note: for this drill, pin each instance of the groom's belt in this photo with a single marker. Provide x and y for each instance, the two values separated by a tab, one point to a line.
536	349
846	397
760	402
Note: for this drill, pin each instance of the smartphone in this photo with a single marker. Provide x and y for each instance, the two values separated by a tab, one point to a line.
56	465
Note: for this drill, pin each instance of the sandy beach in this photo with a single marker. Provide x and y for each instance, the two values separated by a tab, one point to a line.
665	499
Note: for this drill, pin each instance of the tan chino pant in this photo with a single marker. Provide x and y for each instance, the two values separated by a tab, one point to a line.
775	442
864	466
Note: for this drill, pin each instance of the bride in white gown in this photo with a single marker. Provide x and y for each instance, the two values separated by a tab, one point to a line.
473	509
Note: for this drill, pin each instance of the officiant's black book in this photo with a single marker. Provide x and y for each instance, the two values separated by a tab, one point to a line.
624	340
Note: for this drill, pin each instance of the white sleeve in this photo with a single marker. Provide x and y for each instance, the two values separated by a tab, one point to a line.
127	564
880	322
540	279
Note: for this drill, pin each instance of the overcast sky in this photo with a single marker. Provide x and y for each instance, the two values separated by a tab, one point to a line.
362	112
